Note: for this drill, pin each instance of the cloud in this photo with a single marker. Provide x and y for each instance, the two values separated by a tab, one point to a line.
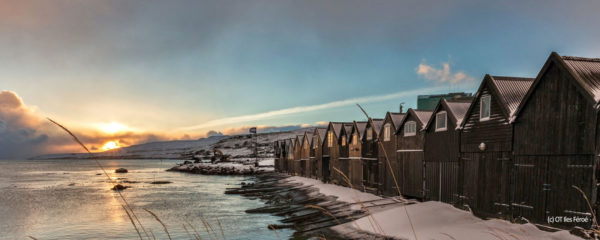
213	133
25	132
442	75
311	108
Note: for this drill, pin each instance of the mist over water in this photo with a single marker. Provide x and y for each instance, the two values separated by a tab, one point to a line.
65	199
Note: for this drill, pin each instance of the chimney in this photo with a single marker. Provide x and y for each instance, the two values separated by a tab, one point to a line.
401	107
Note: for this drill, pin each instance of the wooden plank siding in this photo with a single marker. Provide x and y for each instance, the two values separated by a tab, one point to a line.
389	169
441	153
355	154
409	151
486	171
556	147
370	156
316	153
344	154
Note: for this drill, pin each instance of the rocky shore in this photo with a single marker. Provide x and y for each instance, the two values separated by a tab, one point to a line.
310	213
219	168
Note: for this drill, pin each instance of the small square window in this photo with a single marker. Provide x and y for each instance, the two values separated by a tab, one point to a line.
343	141
441	121
410	129
355	139
369	133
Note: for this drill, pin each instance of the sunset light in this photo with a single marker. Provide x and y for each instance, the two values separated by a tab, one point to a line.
110	145
113	127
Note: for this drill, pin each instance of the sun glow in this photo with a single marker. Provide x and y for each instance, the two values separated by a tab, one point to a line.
110	145
113	127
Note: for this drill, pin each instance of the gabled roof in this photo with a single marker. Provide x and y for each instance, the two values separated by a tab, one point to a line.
377	124
510	92
308	136
421	115
321	132
360	128
337	127
397	118
300	139
290	143
348	127
456	109
585	72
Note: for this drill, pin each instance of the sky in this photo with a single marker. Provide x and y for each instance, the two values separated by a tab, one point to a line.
138	71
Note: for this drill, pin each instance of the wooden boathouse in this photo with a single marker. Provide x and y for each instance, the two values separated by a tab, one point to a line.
370	155
441	150
409	151
388	139
486	145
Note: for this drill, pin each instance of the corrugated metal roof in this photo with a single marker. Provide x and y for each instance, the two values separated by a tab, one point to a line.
348	127
512	90
458	108
322	132
360	127
397	118
337	127
423	116
588	72
377	124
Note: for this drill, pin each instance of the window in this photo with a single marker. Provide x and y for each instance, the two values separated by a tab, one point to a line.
410	128
354	139
485	105
343	141
441	121
369	133
315	142
330	139
386	132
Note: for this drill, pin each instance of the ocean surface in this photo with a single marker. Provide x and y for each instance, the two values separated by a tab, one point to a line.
66	199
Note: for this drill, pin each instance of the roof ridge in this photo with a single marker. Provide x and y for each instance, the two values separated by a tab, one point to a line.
510	78
581	58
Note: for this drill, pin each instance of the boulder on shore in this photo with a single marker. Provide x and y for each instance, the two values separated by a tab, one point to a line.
119	187
120	170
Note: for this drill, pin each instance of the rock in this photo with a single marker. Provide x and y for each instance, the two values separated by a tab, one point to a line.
119	187
187	162
121	170
71	184
98	173
161	182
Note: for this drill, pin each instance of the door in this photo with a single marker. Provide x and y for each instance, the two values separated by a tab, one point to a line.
326	169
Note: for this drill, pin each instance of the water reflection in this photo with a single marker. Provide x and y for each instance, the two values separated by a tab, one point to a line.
67	200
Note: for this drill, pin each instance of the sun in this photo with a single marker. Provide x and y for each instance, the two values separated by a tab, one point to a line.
113	127
111	145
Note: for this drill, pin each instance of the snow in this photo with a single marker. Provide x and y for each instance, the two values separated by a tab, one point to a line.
437	220
431	220
344	194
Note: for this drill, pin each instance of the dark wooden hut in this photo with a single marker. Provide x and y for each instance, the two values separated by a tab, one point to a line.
370	156
330	151
333	141
486	144
344	153
277	155
355	154
305	155
389	168
316	152
557	142
288	155
409	151
441	150
297	154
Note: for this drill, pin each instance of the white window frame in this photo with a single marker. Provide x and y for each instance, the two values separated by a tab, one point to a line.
481	117
440	129
387	130
369	133
355	139
411	123
344	141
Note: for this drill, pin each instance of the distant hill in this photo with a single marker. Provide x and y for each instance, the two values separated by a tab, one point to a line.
238	146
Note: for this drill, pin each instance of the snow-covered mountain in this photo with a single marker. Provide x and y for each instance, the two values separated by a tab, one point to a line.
238	146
